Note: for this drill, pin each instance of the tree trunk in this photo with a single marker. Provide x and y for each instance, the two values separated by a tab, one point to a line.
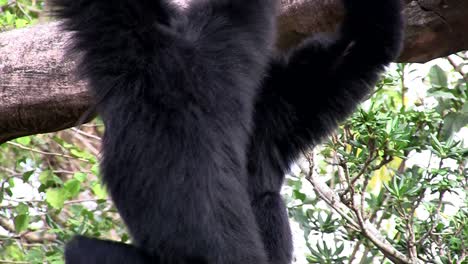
39	93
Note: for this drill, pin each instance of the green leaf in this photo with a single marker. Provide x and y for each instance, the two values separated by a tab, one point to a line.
95	169
9	17
124	238
339	249
35	256
48	178
72	187
8	191
22	208
45	176
24	140
81	154
11	182
453	122
13	251
299	195
438	76
21	222
19	23
99	190
465	108
56	197
80	176
442	94
27	175
54	258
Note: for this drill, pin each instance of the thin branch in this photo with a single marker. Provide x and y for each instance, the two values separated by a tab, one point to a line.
44	152
413	253
81	132
354	252
20	7
83	201
457	68
29	236
363	194
435	215
462	258
327	195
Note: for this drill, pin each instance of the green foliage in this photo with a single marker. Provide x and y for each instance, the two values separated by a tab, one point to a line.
50	191
399	163
19	13
325	255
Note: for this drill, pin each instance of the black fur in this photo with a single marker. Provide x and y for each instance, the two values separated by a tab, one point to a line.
304	96
198	138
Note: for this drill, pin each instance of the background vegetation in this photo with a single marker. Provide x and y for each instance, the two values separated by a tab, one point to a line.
392	177
19	13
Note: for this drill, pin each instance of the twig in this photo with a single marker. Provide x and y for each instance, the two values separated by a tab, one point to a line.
413	253
327	195
83	201
44	152
20	7
462	258
87	144
457	68
363	194
355	251
81	132
43	201
30	237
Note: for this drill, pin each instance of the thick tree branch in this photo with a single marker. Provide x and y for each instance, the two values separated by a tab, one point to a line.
434	28
39	94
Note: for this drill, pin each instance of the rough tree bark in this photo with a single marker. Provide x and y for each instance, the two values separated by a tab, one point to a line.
38	92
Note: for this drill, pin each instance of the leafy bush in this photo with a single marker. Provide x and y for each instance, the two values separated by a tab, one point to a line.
395	176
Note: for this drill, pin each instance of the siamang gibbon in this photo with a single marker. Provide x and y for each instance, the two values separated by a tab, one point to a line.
203	118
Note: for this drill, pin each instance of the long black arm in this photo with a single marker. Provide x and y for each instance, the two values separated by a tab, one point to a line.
320	83
306	94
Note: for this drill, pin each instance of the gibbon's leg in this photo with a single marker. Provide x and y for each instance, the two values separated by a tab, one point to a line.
305	95
89	250
176	94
